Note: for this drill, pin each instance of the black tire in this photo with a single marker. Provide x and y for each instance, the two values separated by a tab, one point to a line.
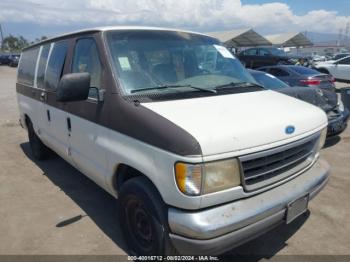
143	218
39	150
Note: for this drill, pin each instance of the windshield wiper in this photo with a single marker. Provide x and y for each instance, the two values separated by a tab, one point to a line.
174	86
239	84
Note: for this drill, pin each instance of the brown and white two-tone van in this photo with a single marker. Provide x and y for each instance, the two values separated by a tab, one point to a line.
201	158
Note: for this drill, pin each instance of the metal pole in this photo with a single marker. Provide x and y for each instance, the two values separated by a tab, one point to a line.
2	39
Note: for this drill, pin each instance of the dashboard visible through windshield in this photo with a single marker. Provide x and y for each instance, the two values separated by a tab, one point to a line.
152	61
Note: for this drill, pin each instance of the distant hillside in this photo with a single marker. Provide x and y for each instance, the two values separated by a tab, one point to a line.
325	38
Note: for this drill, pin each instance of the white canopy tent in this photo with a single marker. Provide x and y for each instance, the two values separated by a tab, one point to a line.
240	38
289	40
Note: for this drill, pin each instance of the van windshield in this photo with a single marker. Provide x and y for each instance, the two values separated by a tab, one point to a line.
156	61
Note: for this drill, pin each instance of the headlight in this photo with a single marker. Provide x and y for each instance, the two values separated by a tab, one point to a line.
322	139
205	178
341	105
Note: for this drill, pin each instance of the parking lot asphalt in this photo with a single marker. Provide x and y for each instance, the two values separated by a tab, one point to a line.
51	208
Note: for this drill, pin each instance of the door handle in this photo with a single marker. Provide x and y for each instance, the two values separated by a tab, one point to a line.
48	115
69	125
42	96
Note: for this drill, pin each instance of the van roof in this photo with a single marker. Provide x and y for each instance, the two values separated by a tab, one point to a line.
109	28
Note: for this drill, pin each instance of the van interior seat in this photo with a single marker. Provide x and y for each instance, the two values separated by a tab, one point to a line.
135	80
165	73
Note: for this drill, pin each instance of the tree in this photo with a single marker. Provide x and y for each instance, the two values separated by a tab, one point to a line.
12	43
40	39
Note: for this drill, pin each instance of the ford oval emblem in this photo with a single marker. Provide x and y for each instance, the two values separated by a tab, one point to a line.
290	130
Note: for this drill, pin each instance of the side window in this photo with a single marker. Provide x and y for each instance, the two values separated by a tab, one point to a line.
42	66
345	61
252	51
55	65
278	72
86	59
26	70
264	69
264	52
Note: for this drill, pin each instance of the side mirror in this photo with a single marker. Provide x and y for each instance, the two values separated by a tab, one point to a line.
73	87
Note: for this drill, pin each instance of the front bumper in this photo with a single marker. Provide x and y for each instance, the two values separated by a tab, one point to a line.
338	125
216	230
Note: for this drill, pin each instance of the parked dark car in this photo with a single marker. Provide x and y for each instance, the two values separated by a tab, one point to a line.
14	59
4	59
301	76
328	101
263	56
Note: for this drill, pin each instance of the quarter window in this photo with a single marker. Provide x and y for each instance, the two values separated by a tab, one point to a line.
345	61
86	59
26	70
278	72
42	66
55	66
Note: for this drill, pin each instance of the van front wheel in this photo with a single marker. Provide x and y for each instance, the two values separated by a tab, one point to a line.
39	150
143	218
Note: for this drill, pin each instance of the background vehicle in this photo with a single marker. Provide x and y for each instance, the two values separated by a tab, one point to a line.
301	76
14	59
4	59
318	58
339	69
263	56
329	102
9	59
340	56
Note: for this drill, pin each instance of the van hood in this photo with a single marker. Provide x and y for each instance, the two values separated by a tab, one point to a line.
227	123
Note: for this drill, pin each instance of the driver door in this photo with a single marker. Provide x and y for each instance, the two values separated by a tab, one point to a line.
84	117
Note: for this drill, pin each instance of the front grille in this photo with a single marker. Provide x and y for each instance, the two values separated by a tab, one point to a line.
268	167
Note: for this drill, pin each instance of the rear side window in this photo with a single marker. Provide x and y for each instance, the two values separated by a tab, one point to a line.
55	65
42	66
264	69
251	51
26	70
345	61
278	72
304	70
264	52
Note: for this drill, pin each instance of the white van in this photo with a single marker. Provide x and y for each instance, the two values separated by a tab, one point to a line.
201	158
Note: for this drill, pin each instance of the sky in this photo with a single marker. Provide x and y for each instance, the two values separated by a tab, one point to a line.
35	18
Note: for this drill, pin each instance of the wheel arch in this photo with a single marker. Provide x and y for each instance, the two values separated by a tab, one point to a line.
27	120
124	172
